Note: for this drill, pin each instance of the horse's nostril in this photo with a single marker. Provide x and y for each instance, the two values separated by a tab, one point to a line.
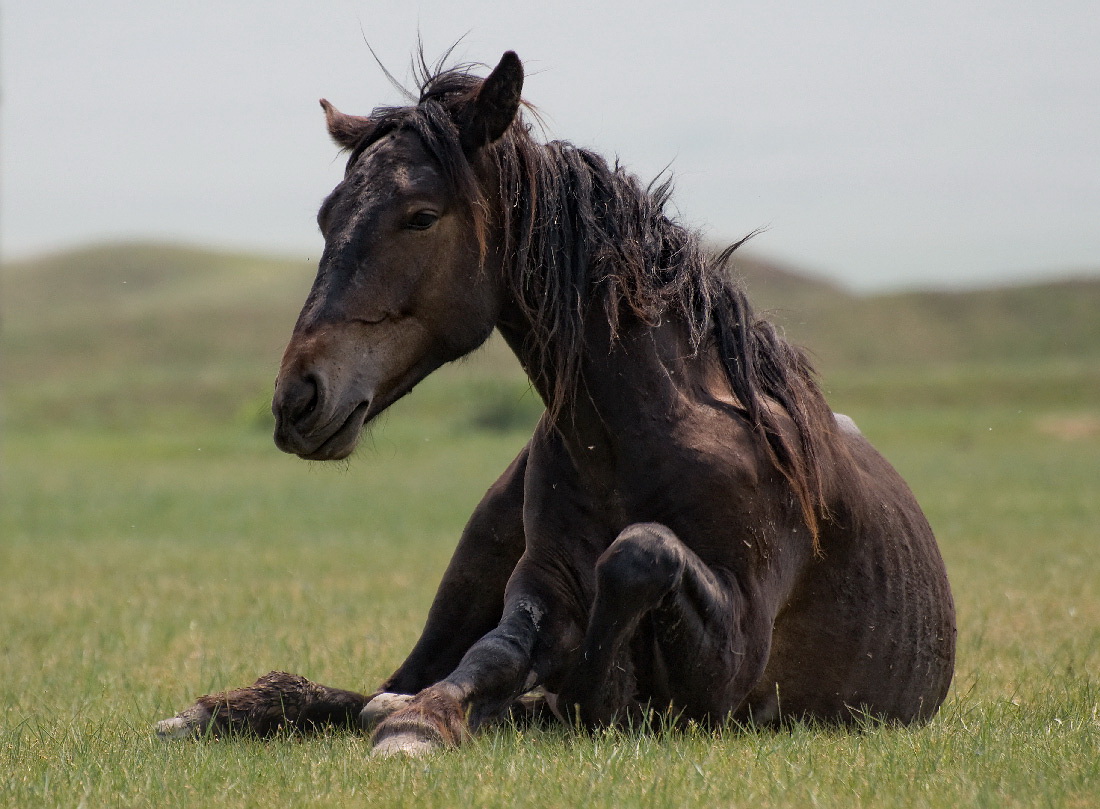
311	395
297	401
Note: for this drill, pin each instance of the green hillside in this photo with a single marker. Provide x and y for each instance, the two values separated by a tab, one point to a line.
148	333
1012	323
111	333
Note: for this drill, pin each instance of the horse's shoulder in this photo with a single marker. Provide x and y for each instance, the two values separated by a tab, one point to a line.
722	442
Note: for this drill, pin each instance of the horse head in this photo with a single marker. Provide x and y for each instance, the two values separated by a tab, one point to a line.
406	282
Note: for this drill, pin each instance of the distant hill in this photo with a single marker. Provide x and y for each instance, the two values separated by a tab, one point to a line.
1034	322
777	289
115	332
125	333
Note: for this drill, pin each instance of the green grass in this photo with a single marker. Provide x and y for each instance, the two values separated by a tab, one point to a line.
155	546
144	569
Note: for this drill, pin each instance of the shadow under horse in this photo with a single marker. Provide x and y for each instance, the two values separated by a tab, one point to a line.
689	531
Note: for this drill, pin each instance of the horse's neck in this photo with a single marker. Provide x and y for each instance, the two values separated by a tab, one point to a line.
641	378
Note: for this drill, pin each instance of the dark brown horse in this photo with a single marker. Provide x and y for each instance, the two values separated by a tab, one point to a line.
690	531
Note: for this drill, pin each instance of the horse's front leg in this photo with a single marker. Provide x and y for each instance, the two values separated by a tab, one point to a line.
493	674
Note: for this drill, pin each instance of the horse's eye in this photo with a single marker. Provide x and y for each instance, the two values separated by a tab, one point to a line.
422	220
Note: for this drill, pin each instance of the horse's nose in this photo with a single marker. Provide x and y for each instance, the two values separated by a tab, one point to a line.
296	405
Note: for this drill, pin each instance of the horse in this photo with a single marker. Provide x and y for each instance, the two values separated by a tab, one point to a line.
690	531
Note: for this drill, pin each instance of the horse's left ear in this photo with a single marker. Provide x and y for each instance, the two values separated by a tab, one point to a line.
494	107
345	130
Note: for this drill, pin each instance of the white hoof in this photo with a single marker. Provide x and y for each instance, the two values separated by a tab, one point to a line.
380	707
174	728
190	723
407	745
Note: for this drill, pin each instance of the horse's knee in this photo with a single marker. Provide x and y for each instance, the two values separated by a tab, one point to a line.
646	560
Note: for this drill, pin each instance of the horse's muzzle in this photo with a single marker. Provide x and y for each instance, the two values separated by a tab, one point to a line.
308	423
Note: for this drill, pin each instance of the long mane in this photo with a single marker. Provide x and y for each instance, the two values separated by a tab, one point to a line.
582	234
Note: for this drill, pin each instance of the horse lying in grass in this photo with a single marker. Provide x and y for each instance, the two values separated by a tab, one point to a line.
690	530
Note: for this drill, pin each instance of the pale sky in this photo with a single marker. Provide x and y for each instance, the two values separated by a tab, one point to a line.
881	144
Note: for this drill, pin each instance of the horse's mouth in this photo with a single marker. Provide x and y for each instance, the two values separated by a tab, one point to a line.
337	446
335	439
342	442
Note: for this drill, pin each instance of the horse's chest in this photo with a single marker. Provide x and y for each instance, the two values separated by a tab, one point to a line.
591	506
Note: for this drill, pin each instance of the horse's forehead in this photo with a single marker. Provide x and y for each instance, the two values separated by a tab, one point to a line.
397	160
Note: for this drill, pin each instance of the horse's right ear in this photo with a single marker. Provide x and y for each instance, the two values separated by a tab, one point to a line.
494	107
346	130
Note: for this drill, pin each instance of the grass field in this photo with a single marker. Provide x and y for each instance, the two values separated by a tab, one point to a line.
156	546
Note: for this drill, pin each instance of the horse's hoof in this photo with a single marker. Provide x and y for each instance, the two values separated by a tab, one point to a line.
407	745
187	724
380	707
411	736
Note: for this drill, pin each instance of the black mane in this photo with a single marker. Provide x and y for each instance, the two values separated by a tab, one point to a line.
579	234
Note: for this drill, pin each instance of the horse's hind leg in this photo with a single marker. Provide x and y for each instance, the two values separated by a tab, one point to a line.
700	653
275	701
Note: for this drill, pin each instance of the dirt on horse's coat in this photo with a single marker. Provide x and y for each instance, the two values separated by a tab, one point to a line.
689	532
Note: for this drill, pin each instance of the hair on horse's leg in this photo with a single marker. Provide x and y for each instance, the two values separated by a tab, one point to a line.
276	701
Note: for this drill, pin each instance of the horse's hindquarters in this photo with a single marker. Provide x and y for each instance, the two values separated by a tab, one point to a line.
870	634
